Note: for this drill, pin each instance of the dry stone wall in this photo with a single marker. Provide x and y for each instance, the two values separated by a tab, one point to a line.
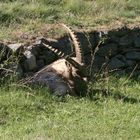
118	50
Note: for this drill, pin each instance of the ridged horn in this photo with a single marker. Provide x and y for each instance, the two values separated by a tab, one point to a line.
56	51
78	50
63	55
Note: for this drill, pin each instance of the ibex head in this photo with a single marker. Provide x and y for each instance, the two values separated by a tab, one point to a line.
66	75
78	61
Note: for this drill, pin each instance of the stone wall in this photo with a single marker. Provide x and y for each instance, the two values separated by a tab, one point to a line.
118	49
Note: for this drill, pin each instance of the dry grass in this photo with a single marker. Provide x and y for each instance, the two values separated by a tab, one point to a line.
30	16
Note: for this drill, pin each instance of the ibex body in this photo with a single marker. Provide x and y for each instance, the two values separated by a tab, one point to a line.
66	75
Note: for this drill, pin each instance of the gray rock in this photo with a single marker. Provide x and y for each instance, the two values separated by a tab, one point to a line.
40	63
130	63
98	63
121	57
51	57
115	63
87	59
130	70
46	58
24	66
33	50
120	72
133	55
126	40
108	50
15	47
85	41
114	39
119	32
138	66
43	57
30	60
137	40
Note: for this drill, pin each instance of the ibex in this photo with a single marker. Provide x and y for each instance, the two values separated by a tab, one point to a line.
67	74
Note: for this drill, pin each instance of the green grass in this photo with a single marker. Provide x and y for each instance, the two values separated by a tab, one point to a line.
32	15
27	114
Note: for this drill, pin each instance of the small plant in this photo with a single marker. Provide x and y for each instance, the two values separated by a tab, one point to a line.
9	66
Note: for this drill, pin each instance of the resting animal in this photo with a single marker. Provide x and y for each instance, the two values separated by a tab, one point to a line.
67	75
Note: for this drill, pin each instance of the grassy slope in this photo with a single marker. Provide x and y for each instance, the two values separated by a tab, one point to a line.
23	116
31	15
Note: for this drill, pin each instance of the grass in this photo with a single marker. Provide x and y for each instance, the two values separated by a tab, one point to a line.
32	15
34	114
27	114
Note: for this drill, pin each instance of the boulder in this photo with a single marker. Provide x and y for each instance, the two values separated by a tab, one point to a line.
130	63
50	57
16	48
114	39
120	72
33	49
115	63
137	40
98	62
126	40
108	50
119	32
40	64
133	55
30	60
121	57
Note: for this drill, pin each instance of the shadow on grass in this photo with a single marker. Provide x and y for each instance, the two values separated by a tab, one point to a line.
106	94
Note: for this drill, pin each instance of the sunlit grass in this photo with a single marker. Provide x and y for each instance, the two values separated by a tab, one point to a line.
113	109
33	114
85	13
